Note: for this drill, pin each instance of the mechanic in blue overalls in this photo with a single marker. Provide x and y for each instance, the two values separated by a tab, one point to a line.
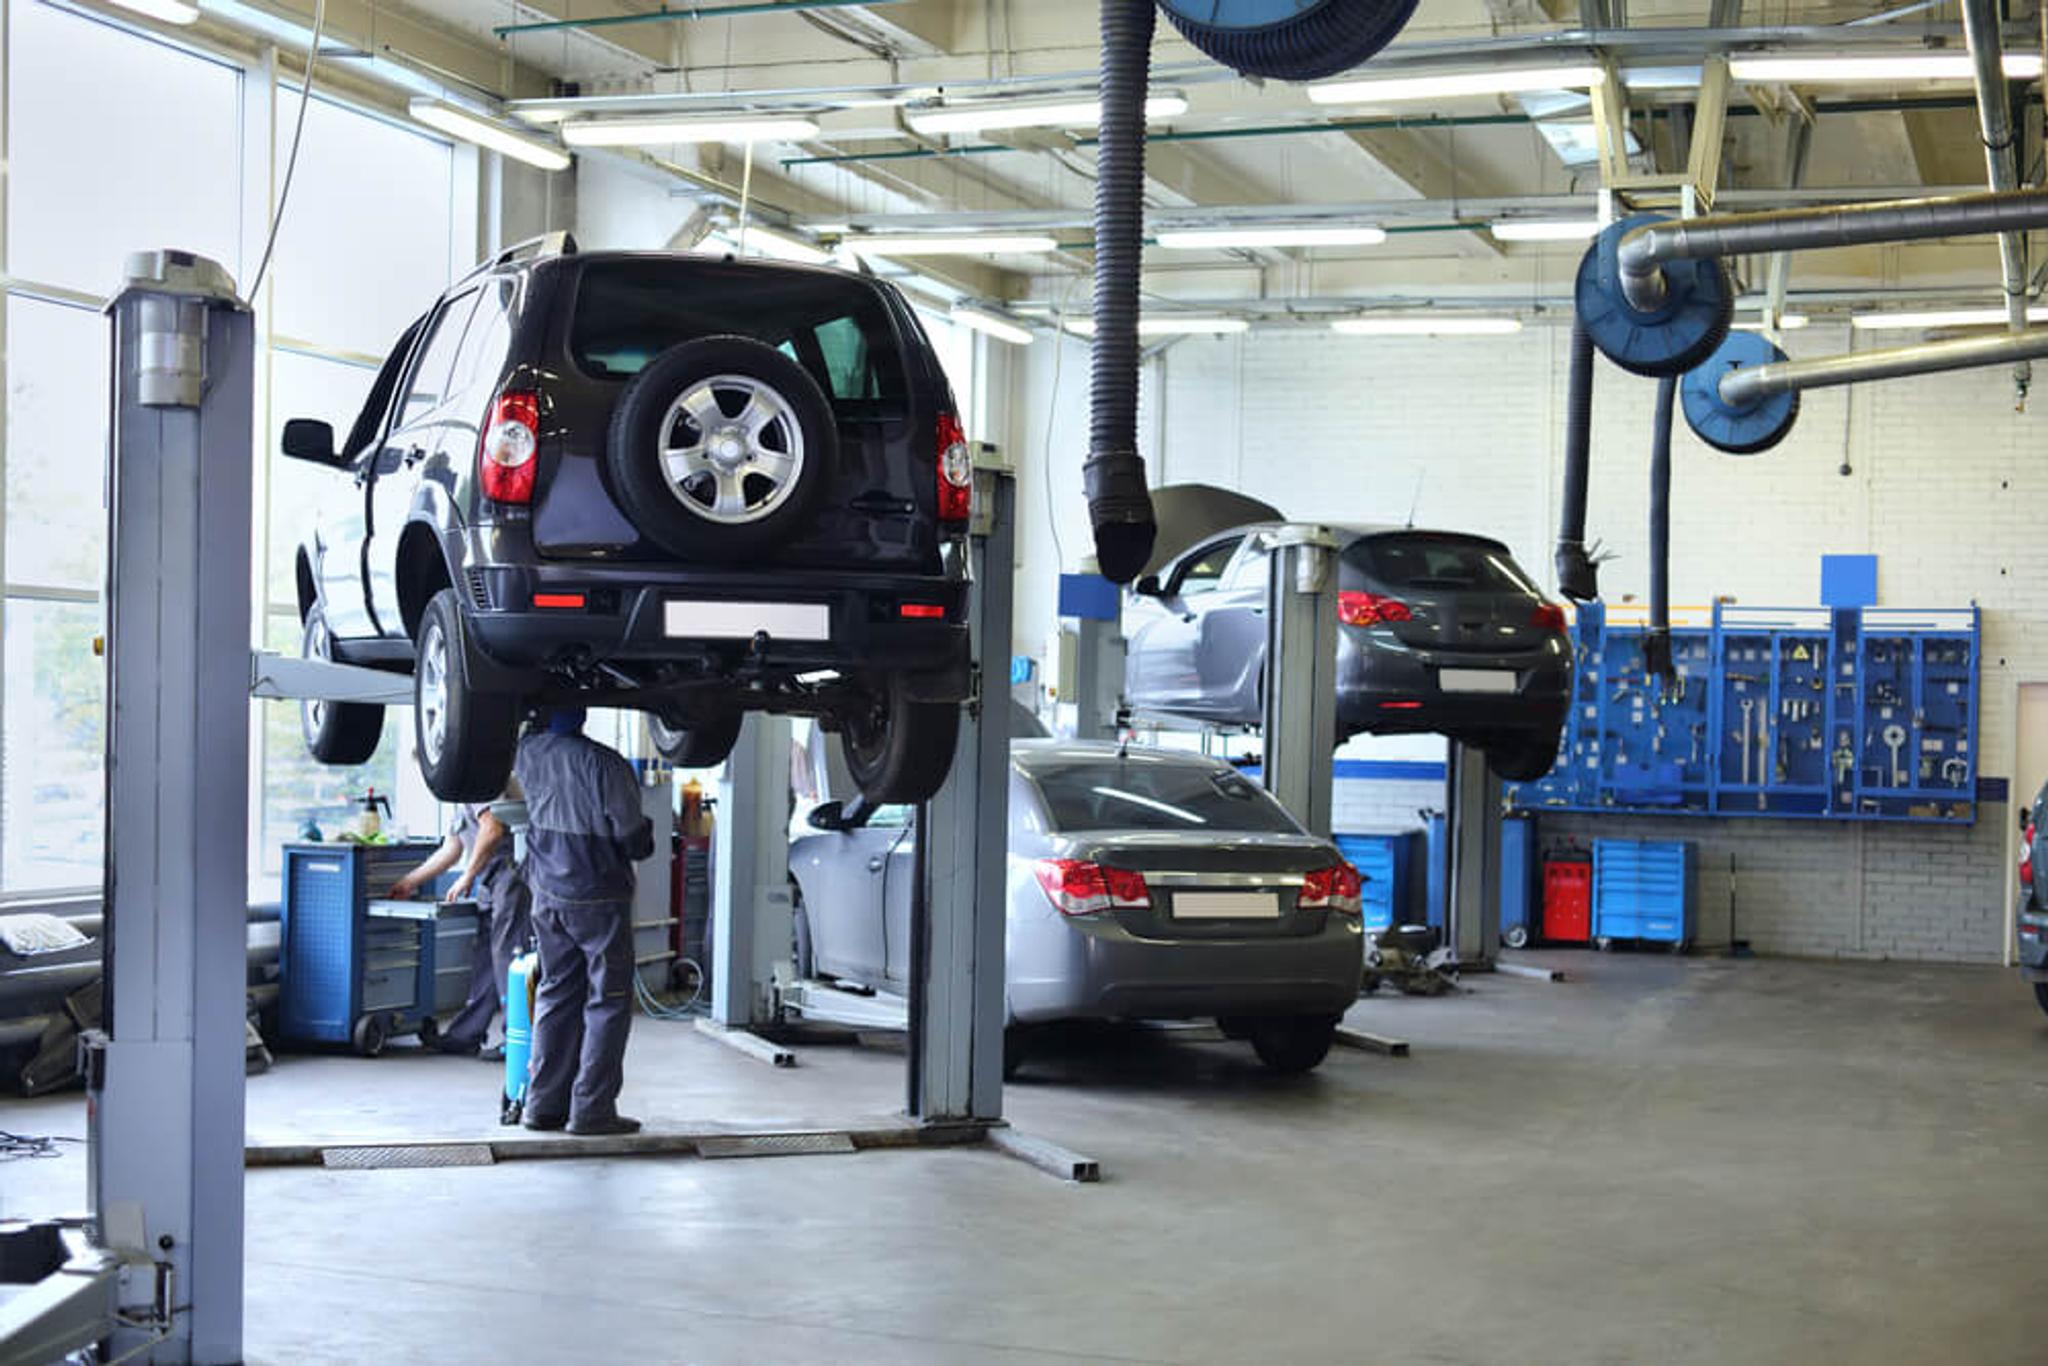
585	830
491	874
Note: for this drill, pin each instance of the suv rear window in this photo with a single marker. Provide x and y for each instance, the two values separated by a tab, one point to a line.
629	312
1146	793
1423	560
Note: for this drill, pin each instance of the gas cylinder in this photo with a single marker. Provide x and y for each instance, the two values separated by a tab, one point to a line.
521	983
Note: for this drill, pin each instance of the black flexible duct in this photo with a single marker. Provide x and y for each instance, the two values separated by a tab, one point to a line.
1119	507
1657	639
1578	578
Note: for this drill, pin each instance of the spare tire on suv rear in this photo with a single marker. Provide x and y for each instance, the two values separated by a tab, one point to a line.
719	447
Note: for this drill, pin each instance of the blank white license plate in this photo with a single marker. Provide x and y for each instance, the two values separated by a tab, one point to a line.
701	620
1226	905
1476	680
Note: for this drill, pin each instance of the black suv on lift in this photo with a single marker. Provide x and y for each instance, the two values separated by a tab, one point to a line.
689	485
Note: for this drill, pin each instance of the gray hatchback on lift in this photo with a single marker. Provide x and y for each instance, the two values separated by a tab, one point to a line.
1143	884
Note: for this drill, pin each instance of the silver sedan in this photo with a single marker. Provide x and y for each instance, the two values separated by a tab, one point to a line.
1144	884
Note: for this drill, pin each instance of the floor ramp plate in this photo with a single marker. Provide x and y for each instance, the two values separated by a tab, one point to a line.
408	1155
774	1145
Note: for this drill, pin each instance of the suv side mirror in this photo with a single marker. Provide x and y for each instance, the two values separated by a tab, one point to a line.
827	816
1147	587
308	438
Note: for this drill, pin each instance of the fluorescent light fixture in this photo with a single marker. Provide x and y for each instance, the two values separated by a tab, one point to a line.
1788	322
170	11
1168	325
1453	85
1449	325
1278	235
980	117
1544	229
994	324
660	132
1904	66
760	241
484	133
985	244
1943	317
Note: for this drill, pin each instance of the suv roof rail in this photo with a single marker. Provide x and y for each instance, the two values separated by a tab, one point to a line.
558	243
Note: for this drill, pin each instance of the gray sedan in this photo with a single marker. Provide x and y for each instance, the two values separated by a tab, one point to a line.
1142	884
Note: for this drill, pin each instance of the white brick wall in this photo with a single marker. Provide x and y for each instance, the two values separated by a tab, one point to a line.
1945	486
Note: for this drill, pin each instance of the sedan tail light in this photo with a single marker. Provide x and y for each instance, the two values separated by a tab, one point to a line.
1337	888
1370	609
1077	887
956	471
510	441
1548	616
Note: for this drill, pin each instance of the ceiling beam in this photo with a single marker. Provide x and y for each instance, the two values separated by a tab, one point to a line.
1414	162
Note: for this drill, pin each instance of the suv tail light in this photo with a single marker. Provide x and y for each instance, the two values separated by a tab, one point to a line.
1076	887
956	471
1337	888
2027	856
1548	616
505	453
1370	609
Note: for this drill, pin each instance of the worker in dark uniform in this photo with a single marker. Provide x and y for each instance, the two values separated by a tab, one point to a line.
585	830
491	875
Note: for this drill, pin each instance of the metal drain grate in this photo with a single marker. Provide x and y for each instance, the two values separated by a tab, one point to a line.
775	1145
409	1155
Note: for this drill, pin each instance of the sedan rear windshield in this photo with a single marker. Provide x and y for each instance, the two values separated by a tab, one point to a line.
629	312
1432	560
1146	793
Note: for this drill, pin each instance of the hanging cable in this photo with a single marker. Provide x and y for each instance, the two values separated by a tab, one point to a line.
291	164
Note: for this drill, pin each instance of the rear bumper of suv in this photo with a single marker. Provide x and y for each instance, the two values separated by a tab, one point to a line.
533	618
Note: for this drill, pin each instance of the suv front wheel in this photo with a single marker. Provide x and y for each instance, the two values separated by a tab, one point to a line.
467	739
899	749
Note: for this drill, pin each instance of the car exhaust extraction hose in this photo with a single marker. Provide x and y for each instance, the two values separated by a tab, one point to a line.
1119	506
1657	639
1578	578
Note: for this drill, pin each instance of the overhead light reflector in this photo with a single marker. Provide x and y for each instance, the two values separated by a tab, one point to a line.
1788	322
1279	235
1544	229
1450	325
994	324
1945	317
1169	325
985	244
481	131
1454	85
1900	67
661	132
980	117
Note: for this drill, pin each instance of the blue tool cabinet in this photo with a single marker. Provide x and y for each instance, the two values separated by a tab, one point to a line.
354	968
1643	891
1800	712
1387	862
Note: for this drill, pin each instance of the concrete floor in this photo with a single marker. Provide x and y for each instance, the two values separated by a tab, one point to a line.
1669	1161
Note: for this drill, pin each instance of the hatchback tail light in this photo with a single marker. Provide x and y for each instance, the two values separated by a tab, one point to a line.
505	453
1548	616
1077	887
956	471
1337	888
1370	609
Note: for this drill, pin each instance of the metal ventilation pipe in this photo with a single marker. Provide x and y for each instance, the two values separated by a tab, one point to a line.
1750	383
1640	255
1994	117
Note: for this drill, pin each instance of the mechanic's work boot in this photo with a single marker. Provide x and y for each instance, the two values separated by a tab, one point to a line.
604	1128
545	1123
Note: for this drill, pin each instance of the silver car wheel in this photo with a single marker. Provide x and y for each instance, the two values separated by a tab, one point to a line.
433	692
732	449
315	644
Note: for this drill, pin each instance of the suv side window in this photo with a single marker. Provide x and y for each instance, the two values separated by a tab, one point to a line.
378	401
1204	572
486	344
437	358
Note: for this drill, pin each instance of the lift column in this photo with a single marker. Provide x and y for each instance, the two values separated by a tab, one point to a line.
752	908
957	954
1301	672
1472	839
165	1122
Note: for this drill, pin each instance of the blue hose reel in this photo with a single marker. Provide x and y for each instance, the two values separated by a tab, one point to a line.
1289	40
1682	331
1747	429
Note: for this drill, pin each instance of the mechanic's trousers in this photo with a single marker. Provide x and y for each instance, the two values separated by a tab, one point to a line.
504	928
582	1010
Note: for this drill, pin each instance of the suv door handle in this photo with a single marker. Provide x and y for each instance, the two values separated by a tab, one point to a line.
875	864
